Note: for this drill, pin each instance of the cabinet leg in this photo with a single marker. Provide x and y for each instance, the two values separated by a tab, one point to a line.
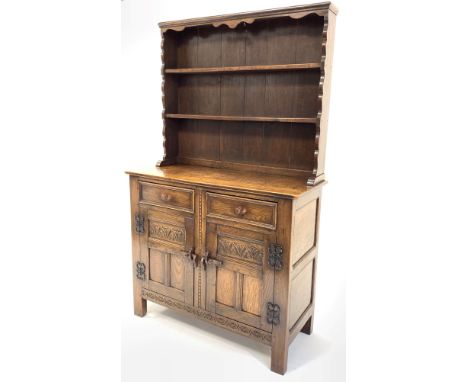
139	306
308	326
279	357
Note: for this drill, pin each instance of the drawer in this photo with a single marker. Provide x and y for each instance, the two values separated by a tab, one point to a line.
243	210
167	196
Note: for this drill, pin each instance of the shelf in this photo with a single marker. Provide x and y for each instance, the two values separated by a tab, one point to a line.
254	68
235	118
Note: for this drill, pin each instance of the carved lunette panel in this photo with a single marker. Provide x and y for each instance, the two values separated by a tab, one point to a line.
227	323
245	250
167	232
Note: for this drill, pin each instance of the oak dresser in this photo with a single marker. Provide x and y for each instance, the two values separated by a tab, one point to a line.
225	227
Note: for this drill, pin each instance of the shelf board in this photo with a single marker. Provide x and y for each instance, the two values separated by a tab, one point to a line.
253	68
235	118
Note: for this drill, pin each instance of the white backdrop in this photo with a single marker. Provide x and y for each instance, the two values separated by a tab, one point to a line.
165	339
80	103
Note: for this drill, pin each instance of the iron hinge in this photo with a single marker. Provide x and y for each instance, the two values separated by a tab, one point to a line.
275	256
140	270
139	224
273	313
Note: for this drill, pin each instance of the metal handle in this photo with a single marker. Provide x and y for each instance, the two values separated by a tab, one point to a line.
165	197
240	210
208	260
192	257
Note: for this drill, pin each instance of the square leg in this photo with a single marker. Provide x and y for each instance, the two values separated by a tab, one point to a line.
139	306
279	352
308	326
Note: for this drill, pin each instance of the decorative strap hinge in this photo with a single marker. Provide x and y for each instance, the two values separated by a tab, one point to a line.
273	313
139	224
275	256
140	270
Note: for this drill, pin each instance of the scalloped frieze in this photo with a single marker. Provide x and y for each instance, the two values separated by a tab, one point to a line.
232	21
300	15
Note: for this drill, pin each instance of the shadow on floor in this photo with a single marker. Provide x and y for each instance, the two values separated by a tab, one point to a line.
302	351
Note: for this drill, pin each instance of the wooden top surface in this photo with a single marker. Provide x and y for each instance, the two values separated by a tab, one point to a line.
294	12
269	184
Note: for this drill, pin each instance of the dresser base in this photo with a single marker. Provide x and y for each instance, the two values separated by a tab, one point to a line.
242	260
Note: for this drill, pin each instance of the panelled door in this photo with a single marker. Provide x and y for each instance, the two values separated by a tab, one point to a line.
239	280
167	252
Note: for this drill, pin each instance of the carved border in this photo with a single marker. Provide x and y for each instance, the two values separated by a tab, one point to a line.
311	180
167	232
240	248
163	90
200	241
165	161
227	323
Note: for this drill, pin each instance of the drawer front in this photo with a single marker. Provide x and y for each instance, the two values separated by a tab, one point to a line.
243	210
167	196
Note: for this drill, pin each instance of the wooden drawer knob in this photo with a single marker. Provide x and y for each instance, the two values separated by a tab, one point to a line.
166	197
240	210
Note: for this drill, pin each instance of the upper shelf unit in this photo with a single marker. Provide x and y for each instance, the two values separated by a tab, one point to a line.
249	91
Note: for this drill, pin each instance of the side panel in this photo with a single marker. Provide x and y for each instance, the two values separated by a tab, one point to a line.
304	225
305	222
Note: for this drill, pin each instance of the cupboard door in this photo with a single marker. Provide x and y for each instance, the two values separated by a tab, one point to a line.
239	280
167	252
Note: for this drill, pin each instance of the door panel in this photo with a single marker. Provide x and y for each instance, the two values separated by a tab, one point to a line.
157	261
239	280
177	275
166	245
226	287
252	296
